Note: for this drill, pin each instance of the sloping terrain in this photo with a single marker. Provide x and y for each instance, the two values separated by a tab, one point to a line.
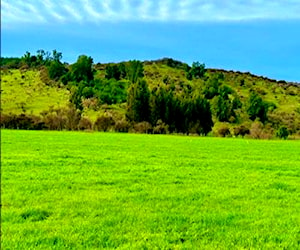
23	91
31	91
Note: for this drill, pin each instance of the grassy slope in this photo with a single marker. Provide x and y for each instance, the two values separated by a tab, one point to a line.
76	190
26	87
285	97
38	97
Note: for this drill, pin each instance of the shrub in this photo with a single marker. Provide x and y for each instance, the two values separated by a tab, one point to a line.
85	124
256	130
223	131
282	119
241	130
21	121
54	121
104	123
282	133
122	126
291	91
143	127
161	128
260	91
91	103
73	117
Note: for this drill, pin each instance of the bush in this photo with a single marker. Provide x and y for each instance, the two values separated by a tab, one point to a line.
104	123
85	124
54	121
223	131
143	127
90	103
257	131
241	130
122	126
61	118
282	119
161	128
282	133
21	121
73	117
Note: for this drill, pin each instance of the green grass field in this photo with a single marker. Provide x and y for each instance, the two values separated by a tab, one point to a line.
77	190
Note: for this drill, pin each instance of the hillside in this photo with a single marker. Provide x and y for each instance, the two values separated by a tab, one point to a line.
24	91
108	97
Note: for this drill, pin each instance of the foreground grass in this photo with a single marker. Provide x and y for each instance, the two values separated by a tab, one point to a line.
72	190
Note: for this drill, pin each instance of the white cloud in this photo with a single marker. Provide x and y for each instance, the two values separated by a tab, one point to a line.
53	10
72	11
89	11
164	11
125	9
40	11
143	10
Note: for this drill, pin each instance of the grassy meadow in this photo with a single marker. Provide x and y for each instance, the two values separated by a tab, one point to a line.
24	91
84	190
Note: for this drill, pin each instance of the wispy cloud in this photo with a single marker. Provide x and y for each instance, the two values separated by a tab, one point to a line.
73	13
53	10
41	11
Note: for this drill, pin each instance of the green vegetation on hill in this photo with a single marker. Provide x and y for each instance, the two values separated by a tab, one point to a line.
66	190
23	91
162	96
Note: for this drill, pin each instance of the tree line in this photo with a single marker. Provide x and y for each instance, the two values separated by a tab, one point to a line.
159	109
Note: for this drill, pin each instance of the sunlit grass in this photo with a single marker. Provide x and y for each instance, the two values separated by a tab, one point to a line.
25	92
73	190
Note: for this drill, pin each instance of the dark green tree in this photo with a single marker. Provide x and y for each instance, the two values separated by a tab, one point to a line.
224	108
122	70
134	71
82	70
282	133
40	56
27	58
56	56
138	102
257	108
211	88
10	62
159	105
112	71
197	71
77	94
56	70
198	117
111	91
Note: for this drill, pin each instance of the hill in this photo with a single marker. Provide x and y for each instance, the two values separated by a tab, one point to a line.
161	96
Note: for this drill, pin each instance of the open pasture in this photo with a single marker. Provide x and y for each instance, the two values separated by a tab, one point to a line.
79	190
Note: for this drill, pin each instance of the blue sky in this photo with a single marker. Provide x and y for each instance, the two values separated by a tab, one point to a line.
259	36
